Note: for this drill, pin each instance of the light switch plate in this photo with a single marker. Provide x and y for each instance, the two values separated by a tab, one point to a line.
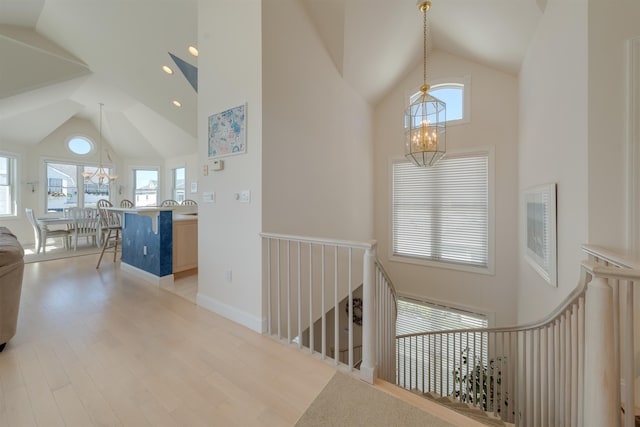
245	196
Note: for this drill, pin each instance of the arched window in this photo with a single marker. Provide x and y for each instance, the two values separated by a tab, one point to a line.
456	94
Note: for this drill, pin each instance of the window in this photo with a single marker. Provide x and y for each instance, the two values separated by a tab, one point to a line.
80	145
67	188
441	215
453	96
8	201
178	189
415	317
145	182
456	94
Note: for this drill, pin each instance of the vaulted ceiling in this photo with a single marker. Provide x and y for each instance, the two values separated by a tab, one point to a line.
59	59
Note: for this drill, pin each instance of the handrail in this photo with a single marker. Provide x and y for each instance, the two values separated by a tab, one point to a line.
625	259
386	277
571	299
541	372
322	241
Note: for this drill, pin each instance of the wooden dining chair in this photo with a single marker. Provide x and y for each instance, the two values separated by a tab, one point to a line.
189	202
86	223
42	233
111	227
169	202
126	203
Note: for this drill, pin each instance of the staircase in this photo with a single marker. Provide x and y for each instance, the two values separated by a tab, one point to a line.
465	409
574	368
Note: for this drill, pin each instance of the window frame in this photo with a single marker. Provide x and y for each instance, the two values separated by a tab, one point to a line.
133	179
13	181
489	151
80	180
465	82
174	194
92	145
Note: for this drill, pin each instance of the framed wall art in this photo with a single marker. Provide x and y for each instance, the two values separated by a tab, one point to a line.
228	132
540	250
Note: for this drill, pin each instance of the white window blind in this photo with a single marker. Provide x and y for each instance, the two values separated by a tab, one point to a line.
420	316
442	213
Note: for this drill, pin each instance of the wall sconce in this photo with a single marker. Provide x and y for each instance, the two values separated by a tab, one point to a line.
33	185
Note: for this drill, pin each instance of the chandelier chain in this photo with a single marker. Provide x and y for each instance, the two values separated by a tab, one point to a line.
424	42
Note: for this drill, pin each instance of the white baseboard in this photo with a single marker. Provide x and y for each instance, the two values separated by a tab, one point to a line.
156	280
232	313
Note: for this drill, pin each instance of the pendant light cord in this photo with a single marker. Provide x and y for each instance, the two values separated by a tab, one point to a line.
424	41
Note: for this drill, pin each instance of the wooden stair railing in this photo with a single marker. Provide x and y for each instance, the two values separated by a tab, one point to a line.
566	370
305	278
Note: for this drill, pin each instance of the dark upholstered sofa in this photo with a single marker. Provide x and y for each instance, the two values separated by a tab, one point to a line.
11	270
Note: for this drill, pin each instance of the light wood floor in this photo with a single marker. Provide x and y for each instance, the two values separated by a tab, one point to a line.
105	348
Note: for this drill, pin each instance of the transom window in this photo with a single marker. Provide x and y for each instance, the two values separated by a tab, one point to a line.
441	215
455	93
8	200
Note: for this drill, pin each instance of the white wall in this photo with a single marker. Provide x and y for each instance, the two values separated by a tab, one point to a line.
31	166
317	167
229	69
611	25
494	100
553	144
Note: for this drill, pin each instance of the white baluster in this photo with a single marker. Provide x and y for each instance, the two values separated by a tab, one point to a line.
350	321
269	286
324	310
336	318
300	300
289	291
574	366
627	357
279	309
581	361
311	322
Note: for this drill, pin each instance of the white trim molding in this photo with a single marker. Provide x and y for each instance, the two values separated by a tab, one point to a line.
232	313
149	277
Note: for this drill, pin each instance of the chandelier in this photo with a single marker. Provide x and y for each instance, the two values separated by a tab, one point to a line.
425	119
101	175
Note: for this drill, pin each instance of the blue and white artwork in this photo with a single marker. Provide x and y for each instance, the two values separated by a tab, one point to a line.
228	132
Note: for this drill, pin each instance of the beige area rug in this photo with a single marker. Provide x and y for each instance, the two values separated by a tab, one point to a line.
346	401
58	253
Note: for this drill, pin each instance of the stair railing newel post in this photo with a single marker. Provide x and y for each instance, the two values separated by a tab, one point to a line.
368	367
600	382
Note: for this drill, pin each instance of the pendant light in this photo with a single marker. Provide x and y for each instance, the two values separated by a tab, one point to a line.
101	175
425	119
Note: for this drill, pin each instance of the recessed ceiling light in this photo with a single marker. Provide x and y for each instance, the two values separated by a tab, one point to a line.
166	69
193	50
177	103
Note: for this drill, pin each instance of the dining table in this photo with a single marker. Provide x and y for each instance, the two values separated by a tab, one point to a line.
67	221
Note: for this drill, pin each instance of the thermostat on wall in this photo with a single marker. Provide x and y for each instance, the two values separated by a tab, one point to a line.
217	165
